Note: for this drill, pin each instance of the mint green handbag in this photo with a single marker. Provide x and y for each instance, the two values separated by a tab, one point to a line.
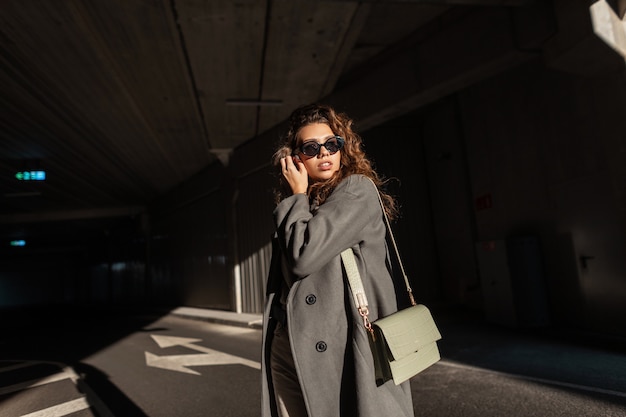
404	343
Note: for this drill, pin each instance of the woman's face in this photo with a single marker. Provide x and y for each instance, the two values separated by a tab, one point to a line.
324	165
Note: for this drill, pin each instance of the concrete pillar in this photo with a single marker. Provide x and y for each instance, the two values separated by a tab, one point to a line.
576	48
608	26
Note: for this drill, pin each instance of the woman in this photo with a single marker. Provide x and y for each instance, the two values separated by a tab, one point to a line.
316	356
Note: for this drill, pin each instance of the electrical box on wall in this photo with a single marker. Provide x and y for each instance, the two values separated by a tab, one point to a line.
512	281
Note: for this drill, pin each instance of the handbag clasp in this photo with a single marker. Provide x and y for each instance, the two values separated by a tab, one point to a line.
364	312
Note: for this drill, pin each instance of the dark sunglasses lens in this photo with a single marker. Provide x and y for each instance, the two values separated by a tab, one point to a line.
311	148
332	145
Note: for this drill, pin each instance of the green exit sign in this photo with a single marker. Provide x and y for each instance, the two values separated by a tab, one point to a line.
31	175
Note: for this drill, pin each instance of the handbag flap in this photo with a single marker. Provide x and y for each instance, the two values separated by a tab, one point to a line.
408	330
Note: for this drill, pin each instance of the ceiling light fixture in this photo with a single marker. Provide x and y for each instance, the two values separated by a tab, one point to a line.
223	154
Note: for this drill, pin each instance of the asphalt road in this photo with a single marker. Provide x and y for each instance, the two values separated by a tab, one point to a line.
126	365
129	365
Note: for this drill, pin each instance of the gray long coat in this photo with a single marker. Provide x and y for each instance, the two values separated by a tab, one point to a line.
328	339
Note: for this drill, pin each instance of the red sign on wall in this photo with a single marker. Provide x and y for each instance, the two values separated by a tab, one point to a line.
489	246
484	202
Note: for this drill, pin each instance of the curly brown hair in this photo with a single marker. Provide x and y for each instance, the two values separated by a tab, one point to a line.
353	157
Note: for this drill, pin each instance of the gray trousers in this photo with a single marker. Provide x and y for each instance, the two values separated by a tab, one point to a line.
289	400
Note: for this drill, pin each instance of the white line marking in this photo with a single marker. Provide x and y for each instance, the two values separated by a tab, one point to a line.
91	399
37	382
61	410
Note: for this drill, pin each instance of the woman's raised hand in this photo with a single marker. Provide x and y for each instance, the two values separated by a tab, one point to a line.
295	173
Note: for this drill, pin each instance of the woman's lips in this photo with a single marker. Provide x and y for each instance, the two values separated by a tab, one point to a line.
325	166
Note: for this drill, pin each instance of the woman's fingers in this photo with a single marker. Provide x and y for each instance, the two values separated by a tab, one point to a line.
296	176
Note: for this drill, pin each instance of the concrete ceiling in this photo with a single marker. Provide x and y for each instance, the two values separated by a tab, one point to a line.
120	101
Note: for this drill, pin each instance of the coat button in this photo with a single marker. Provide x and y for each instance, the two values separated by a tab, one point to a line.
321	346
310	299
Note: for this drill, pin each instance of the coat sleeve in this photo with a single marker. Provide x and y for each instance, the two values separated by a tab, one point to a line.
311	240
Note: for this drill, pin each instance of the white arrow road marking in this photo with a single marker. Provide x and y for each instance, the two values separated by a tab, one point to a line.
168	341
181	362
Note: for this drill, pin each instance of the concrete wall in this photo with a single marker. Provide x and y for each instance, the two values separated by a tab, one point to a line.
548	147
511	170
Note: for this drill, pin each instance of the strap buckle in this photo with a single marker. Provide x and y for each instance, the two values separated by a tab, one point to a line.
364	312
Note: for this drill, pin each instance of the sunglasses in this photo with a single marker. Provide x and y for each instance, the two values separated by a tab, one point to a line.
313	148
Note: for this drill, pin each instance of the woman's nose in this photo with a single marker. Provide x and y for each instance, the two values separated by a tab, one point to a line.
323	151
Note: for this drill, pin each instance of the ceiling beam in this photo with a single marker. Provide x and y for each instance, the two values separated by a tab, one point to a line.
475	48
453	2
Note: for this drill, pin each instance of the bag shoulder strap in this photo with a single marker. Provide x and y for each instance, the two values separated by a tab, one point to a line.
354	278
395	246
356	286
